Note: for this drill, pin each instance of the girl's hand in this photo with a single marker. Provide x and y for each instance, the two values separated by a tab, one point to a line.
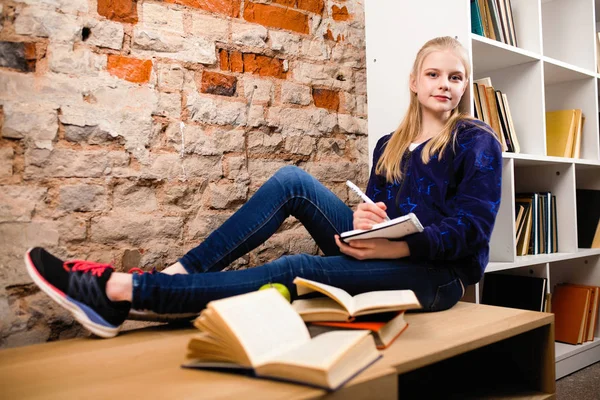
365	249
367	215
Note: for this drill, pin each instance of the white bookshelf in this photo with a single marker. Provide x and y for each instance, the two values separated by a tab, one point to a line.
553	67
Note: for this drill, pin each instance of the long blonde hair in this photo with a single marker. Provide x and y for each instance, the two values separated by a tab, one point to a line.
390	161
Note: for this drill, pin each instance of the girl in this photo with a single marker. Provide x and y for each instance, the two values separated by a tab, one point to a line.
439	164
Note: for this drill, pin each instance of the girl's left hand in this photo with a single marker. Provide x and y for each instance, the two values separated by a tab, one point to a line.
365	249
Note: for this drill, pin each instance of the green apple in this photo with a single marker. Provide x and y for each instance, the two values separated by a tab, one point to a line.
282	289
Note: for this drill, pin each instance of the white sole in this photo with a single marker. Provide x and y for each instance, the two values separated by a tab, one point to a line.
73	308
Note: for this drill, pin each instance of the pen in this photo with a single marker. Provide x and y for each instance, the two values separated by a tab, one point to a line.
362	195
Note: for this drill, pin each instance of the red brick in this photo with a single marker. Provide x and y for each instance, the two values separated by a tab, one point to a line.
287	3
325	98
314	6
263	65
130	69
216	83
340	14
230	8
276	17
224	60
119	10
236	61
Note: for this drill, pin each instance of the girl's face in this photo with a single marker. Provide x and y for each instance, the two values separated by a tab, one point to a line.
441	82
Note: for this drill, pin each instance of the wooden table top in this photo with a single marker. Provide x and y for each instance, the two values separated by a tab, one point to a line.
146	363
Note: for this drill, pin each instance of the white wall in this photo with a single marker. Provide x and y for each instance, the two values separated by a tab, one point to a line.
395	31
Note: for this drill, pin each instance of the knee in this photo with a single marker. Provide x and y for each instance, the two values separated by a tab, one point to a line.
291	175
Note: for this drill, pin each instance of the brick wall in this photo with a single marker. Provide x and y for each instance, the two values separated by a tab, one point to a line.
131	129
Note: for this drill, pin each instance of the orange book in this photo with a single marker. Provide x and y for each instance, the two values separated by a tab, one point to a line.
385	327
592	320
490	95
570	305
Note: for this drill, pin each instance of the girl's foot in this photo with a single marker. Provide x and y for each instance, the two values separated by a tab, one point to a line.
80	287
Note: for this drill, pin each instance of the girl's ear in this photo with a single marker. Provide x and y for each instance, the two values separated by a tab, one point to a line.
412	84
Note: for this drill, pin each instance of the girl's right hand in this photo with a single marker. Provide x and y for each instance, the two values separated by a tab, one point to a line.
367	215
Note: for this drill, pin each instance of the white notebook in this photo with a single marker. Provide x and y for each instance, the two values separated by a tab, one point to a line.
392	229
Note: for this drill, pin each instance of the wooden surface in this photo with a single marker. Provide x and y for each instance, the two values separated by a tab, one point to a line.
146	363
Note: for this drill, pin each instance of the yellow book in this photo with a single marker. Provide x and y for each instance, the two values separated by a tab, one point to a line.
560	129
579	120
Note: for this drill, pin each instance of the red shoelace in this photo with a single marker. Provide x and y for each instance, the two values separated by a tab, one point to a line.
84	266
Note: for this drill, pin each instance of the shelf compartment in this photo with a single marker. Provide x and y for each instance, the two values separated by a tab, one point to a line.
571	358
523	86
489	55
556	71
580	92
558	178
568	32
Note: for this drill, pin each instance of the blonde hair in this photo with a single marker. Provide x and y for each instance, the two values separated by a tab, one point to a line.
410	127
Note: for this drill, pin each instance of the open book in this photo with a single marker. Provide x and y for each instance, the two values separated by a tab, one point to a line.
385	327
341	306
259	334
392	229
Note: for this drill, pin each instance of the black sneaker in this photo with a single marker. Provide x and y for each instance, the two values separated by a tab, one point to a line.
80	287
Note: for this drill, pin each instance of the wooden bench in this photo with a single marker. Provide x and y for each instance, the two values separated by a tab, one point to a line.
470	350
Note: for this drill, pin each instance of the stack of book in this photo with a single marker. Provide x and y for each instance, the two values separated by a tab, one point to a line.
575	309
563	133
536	223
380	312
494	19
260	334
491	107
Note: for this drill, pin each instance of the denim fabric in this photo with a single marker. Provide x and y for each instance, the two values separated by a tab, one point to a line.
291	191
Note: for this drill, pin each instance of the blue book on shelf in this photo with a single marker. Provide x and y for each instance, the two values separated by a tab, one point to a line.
476	25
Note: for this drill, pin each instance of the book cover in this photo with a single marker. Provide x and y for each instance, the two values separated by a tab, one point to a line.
495	21
503	122
511	22
525	237
511	125
385	327
560	129
570	307
392	229
514	291
476	25
579	119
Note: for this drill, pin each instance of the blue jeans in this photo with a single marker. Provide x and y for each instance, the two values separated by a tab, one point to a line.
290	191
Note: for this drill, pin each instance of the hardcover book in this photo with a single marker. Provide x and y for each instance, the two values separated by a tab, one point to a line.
259	334
339	305
384	327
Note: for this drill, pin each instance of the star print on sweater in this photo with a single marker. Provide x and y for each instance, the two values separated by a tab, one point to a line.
456	198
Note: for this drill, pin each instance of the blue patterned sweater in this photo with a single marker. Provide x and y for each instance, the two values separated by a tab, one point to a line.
455	198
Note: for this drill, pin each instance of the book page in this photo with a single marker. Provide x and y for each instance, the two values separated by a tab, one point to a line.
264	323
385	300
322	351
320	305
304	286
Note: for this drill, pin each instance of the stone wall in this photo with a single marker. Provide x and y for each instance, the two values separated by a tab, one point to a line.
131	129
